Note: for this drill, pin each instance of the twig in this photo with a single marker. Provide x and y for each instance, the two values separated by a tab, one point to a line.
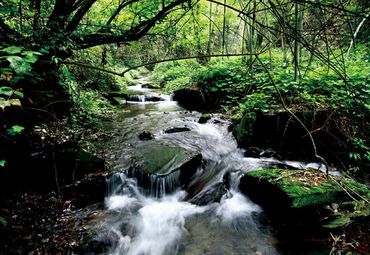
56	176
356	193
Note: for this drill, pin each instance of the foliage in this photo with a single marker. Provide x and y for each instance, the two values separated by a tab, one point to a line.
2	163
19	64
15	130
175	75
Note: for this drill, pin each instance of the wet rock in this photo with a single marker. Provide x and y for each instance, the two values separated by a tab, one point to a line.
269	153
160	168
146	136
204	118
151	86
211	195
153	98
176	130
252	152
116	97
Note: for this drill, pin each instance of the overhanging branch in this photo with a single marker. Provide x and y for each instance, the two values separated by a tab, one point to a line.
158	61
133	34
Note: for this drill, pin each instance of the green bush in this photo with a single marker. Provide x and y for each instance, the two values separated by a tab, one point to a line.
166	72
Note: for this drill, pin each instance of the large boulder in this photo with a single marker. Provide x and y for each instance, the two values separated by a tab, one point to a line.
192	99
282	188
161	169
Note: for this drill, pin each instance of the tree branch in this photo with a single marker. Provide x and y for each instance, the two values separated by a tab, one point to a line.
158	61
85	6
132	34
118	10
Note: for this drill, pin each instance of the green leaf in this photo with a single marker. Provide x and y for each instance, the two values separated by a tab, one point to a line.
20	65
2	163
19	94
3	223
15	130
30	53
31	59
214	89
7	91
11	102
13	50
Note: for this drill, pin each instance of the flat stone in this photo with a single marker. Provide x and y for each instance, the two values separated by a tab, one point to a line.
162	159
277	188
165	168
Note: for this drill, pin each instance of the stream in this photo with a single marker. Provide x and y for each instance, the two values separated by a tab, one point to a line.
208	215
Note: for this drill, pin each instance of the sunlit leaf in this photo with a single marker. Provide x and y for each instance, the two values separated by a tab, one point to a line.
13	50
15	130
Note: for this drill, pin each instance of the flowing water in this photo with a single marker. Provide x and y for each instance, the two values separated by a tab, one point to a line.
142	223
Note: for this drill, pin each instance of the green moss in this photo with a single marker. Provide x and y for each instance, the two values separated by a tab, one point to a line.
244	130
309	187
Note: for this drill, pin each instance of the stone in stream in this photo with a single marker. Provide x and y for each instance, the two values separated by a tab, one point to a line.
204	118
176	130
161	169
145	136
212	195
151	86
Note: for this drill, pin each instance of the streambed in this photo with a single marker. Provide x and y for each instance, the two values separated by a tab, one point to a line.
206	215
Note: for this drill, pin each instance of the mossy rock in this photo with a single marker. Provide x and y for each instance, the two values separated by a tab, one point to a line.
244	130
161	159
156	163
204	118
299	188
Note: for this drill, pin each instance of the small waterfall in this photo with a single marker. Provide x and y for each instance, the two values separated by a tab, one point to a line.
136	98
115	183
165	184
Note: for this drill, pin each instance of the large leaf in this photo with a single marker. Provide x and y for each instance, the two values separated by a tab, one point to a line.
6	91
13	50
19	64
11	102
